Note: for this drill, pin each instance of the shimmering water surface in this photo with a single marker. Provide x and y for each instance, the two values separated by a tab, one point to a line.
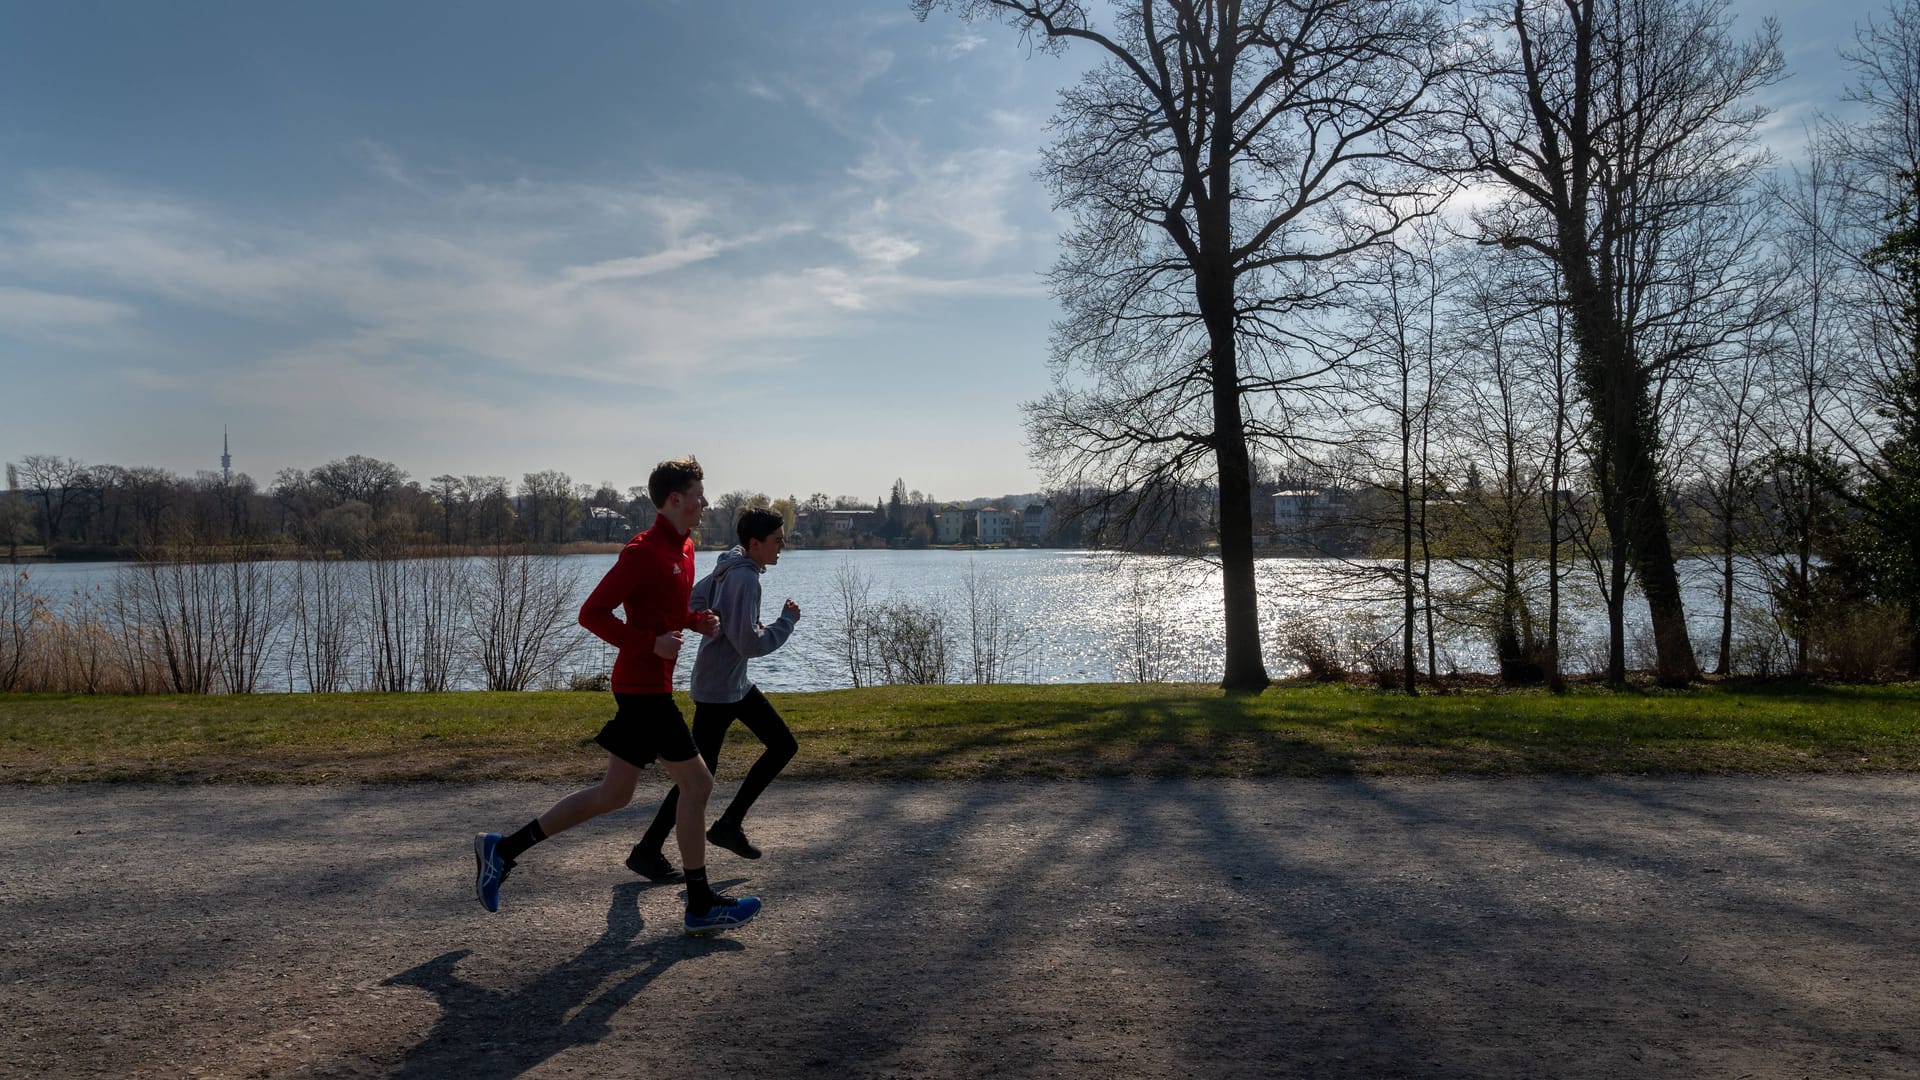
1087	615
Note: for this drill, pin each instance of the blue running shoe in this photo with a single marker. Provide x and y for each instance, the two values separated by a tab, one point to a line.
725	915
489	869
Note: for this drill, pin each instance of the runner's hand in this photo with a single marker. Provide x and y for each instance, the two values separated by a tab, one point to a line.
706	622
792	609
667	646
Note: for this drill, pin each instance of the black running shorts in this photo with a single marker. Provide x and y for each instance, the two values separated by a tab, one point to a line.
646	726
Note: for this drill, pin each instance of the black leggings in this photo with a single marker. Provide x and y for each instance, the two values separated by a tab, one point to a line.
710	723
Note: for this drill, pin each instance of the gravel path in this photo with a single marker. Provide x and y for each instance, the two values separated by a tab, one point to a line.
1744	927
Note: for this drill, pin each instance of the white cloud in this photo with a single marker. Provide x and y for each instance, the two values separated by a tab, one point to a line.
885	248
962	43
855	290
494	282
698	249
692	250
388	165
32	307
967	198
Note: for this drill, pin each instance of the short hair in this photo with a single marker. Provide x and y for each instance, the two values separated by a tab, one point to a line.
757	523
673	476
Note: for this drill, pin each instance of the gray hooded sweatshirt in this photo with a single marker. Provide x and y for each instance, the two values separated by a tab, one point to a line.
733	590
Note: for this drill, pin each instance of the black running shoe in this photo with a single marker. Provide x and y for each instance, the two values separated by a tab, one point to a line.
651	865
728	835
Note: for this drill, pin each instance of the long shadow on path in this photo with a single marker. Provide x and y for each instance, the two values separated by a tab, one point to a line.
496	1034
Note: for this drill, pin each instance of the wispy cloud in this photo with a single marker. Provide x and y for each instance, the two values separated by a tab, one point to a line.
965	201
886	249
21	308
384	163
493	281
961	44
759	89
829	83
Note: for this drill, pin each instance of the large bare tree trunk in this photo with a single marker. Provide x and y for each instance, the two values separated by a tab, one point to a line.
1246	670
1630	489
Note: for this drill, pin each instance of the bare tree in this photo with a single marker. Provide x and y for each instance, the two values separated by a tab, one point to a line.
1615	126
248	619
1732	405
18	605
208	620
16	517
716	525
414	628
391	628
855	610
324	614
550	508
490	508
996	637
58	483
358	478
1146	648
1223	163
910	644
439	587
1400	325
1810	233
1553	387
451	493
1880	437
521	608
1500	431
172	594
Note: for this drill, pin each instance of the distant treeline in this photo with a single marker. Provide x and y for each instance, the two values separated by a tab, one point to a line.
348	506
71	509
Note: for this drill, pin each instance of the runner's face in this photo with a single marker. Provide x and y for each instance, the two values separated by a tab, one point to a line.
766	551
684	507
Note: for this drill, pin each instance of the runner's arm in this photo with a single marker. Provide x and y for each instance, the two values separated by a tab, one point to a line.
597	613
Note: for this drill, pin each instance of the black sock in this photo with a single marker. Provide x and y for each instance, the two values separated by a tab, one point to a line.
700	896
513	846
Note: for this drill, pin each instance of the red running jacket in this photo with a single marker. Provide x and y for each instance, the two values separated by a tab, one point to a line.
652	578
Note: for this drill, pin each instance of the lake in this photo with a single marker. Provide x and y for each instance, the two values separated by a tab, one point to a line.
1084	616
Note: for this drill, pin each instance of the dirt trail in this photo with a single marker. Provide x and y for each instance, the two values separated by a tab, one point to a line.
1541	928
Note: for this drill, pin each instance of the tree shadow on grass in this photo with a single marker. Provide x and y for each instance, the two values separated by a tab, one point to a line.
1159	738
484	1032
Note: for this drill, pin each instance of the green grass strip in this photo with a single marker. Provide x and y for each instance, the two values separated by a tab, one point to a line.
984	733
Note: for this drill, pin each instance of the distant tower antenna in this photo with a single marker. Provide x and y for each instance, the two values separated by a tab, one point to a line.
226	458
11	523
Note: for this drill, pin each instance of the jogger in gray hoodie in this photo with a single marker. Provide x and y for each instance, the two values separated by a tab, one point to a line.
722	692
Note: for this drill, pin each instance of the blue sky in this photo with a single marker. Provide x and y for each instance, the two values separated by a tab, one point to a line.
801	240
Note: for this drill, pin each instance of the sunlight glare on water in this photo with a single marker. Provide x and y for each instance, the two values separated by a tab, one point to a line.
1080	616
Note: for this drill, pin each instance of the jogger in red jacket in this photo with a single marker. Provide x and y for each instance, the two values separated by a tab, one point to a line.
651	581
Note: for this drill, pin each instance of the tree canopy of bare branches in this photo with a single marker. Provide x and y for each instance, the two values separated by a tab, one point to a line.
1619	133
1223	163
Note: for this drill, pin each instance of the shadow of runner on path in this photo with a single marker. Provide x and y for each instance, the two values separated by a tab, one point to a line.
491	1033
